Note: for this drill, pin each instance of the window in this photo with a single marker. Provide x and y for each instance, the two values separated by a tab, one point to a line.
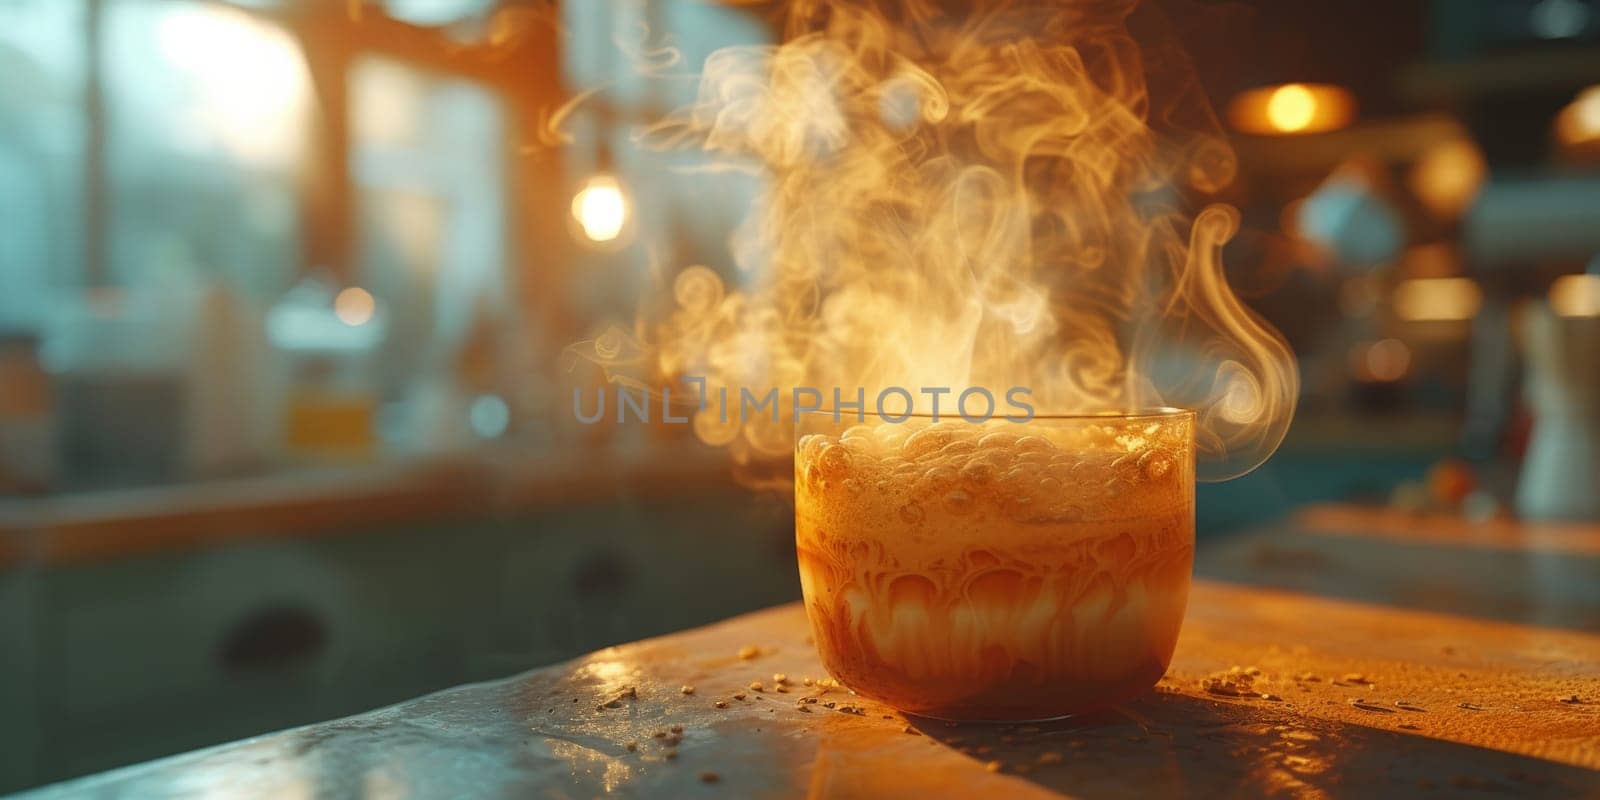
613	54
209	110
42	132
428	163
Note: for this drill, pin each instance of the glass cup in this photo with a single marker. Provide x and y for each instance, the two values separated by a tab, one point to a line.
996	570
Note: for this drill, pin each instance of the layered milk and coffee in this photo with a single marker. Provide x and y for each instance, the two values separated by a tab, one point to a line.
997	570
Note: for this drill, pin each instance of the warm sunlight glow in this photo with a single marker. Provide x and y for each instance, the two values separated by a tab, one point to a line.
354	306
251	77
1576	296
1437	299
601	209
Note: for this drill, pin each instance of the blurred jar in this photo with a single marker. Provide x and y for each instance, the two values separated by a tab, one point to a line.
328	340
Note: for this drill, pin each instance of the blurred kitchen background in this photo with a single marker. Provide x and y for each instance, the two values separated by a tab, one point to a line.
285	284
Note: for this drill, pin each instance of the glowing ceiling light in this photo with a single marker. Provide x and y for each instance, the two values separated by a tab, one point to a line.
1292	108
1576	296
1437	299
355	306
601	209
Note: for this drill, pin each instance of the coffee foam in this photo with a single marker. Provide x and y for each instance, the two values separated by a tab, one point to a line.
1026	485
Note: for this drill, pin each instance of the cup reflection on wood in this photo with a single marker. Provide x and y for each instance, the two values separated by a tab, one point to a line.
997	570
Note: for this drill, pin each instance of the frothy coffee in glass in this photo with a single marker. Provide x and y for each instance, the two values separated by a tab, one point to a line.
996	570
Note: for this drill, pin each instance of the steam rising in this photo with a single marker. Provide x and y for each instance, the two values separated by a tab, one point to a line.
987	199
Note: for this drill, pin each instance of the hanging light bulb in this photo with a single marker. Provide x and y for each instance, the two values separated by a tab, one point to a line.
601	209
1292	108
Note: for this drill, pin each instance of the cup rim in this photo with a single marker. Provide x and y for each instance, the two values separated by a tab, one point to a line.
1145	412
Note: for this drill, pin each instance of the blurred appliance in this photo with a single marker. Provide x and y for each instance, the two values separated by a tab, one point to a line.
1521	221
117	366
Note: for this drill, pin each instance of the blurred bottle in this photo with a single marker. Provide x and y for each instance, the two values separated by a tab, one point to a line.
1561	470
231	409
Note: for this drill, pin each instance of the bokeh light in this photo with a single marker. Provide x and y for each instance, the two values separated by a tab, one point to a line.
1291	108
1447	177
489	416
355	306
1579	122
1576	296
1383	361
601	209
1437	299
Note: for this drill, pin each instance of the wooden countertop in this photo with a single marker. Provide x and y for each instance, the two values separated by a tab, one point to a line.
1375	702
1525	572
330	501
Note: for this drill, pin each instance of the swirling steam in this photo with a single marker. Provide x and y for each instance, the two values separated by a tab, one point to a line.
990	198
